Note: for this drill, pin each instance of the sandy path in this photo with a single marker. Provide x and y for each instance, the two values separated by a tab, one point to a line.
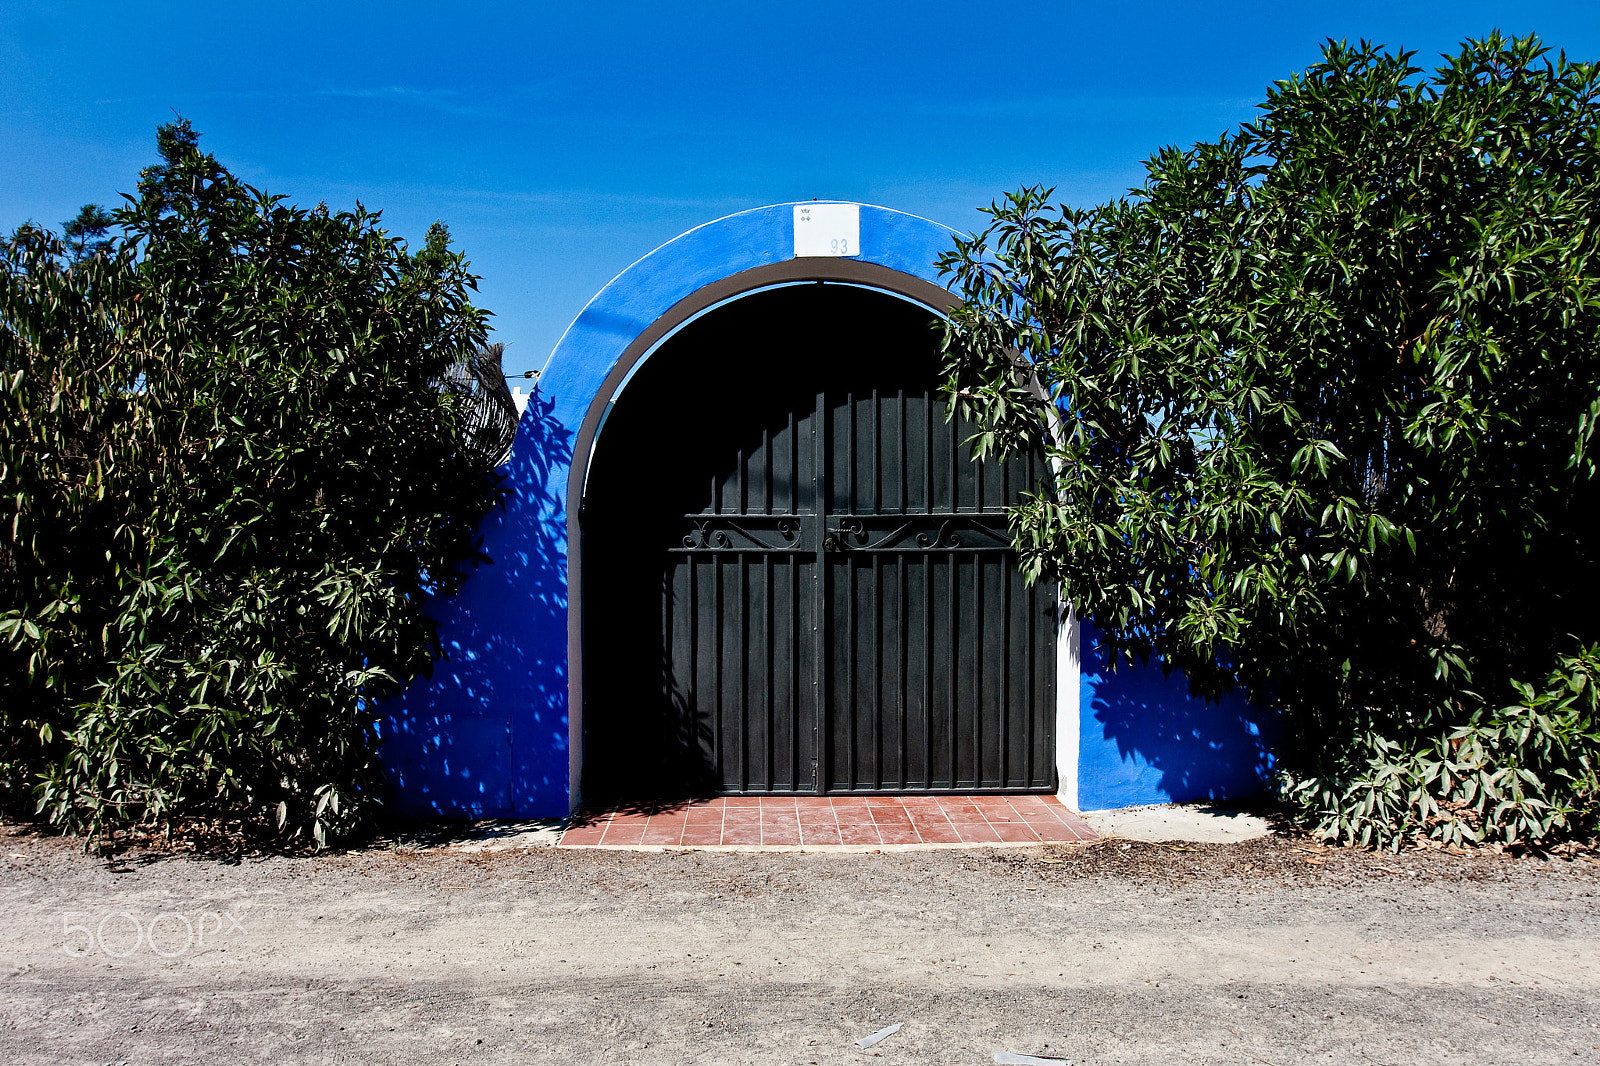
1225	953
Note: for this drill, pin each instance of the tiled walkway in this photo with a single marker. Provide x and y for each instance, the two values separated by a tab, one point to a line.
820	821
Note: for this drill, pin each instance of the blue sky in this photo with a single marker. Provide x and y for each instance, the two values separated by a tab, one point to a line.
562	141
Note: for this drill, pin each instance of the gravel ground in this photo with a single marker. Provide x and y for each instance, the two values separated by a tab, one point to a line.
1120	952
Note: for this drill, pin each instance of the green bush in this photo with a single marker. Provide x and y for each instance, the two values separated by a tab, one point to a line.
234	467
1528	773
1322	397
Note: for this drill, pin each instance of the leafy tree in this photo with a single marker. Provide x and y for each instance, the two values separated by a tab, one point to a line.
85	233
234	466
1322	395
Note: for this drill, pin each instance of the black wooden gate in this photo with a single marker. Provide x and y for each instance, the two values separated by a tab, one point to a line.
804	583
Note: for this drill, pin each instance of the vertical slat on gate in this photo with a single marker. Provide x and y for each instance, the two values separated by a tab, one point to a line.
902	472
772	665
769	636
1005	676
877	453
978	476
956	466
762	595
849	667
796	715
903	630
1045	754
821	490
912	470
805	696
795	644
954	655
1033	619
911	672
1017	750
744	673
792	437
875	718
848	505
691	563
992	701
800	614
888	674
978	671
852	644
766	470
717	628
885	434
927	668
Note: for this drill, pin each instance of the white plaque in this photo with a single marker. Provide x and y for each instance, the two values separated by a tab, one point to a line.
827	229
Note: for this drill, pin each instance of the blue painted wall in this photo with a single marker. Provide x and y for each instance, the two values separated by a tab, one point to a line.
1143	739
486	735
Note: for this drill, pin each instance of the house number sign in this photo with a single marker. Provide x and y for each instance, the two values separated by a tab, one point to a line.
827	229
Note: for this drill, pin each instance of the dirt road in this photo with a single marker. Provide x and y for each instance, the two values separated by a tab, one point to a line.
1238	953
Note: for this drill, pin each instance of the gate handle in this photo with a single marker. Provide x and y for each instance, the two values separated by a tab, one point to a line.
834	539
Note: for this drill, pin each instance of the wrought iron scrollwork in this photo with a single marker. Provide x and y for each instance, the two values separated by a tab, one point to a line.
706	537
942	538
787	533
971	532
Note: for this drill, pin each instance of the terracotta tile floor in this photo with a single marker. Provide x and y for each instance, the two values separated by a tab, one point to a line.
818	821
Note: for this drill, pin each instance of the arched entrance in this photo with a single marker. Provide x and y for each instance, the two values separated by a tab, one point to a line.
498	729
795	579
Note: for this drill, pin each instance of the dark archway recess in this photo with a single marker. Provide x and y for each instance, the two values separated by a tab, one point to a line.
796	579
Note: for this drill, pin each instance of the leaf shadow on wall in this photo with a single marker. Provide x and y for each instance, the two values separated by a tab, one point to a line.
1157	744
486	735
